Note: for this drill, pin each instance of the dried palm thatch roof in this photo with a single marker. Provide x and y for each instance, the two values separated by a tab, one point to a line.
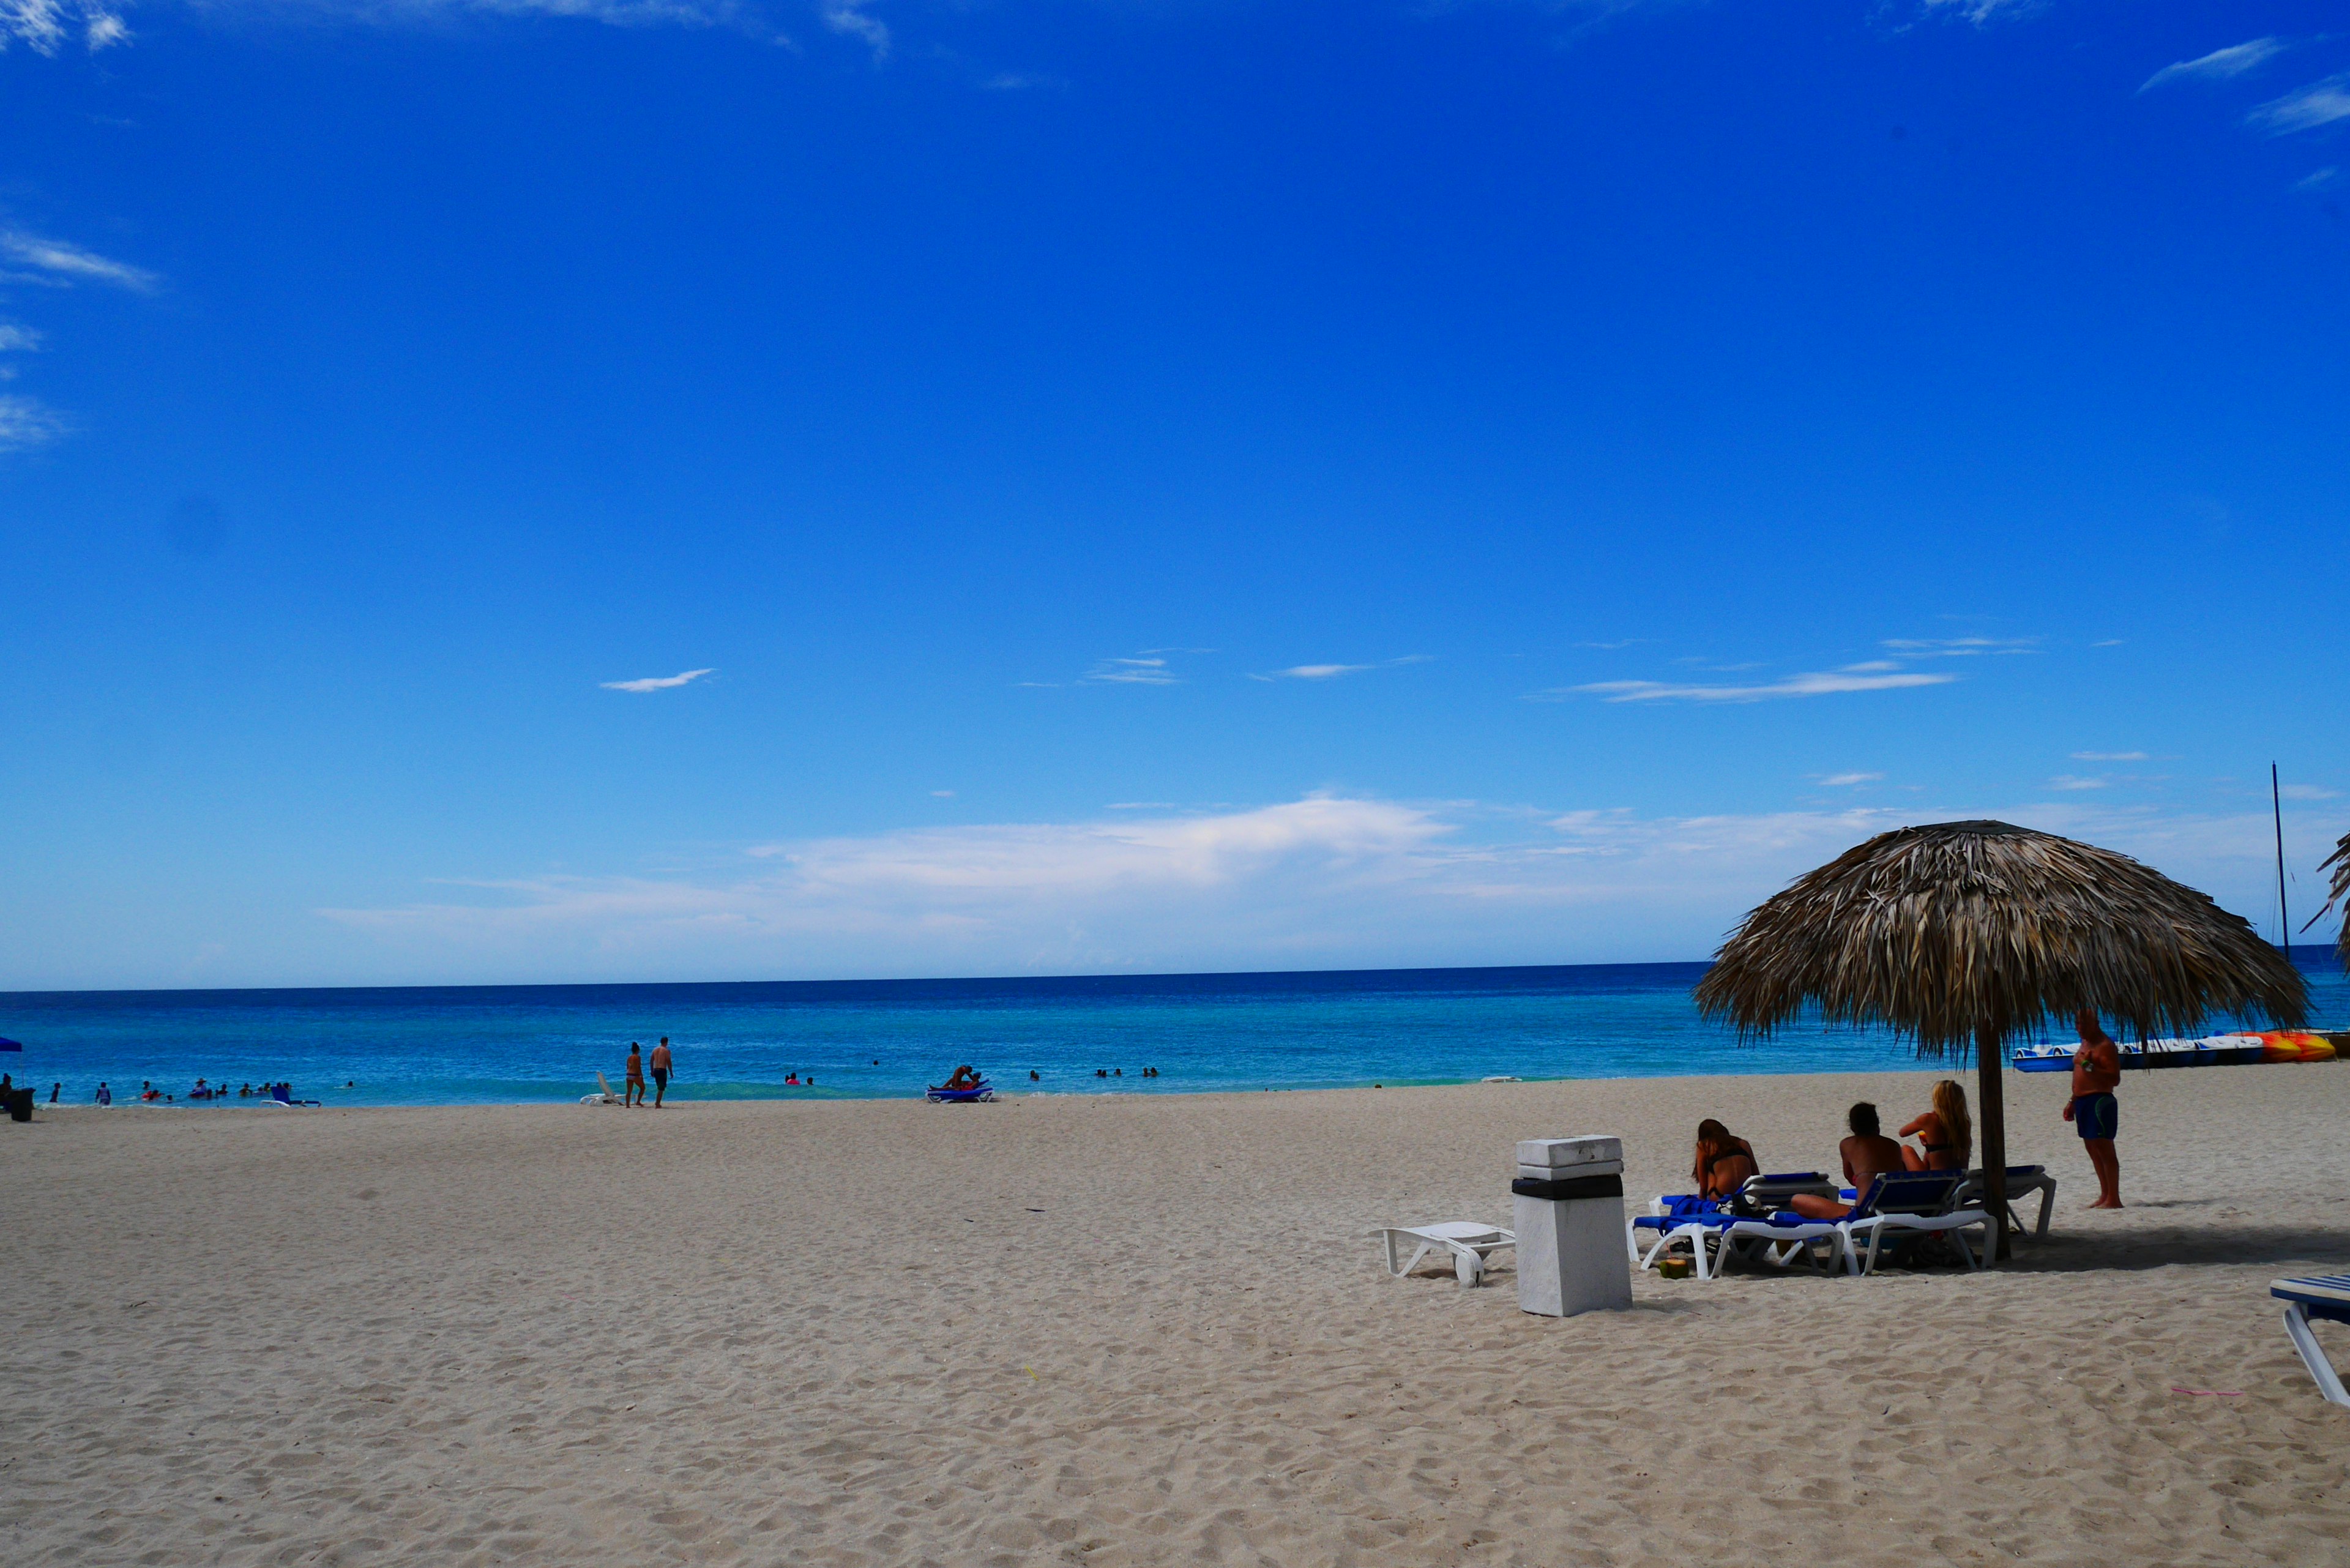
1963	931
2339	864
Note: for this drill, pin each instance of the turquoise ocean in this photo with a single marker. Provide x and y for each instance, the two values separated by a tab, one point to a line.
879	1039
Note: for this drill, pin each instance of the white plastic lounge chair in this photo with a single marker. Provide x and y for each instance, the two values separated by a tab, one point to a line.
2023	1181
2322	1295
1469	1243
604	1095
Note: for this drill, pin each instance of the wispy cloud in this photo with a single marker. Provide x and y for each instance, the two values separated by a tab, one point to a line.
1143	670
1982	11
850	17
657	682
2318	179
2319	103
1959	646
2071	782
1332	671
2307	792
943	794
16	340
25	422
1846	781
2219	65
47	25
55	261
2109	757
1877	675
1324	879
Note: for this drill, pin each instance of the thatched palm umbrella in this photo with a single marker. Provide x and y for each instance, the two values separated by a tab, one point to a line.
1963	934
2339	864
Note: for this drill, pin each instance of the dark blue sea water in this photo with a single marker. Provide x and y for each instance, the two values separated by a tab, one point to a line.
885	1038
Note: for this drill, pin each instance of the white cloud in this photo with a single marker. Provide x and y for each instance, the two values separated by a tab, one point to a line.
47	25
1874	676
2107	642
59	262
2319	103
1959	646
1845	781
657	682
2317	179
2071	782
849	16
1981	11
1144	669
2218	65
943	794
1328	879
25	422
2109	757
2306	791
16	340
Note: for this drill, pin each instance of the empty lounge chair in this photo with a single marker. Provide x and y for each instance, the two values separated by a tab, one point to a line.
1469	1243
2322	1295
2022	1182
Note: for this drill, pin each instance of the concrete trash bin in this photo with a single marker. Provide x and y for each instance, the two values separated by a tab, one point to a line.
1569	1199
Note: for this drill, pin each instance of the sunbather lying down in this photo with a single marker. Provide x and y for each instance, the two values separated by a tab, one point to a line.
1867	1154
1724	1161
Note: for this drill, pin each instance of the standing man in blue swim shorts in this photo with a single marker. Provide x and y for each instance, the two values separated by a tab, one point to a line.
660	1063
2094	1112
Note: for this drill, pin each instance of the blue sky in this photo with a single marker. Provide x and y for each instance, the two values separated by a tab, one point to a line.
1144	486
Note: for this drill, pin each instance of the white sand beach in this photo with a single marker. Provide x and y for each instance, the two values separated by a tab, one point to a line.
1132	1330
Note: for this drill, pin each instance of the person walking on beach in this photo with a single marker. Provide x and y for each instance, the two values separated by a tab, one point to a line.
2094	1112
661	1065
633	1093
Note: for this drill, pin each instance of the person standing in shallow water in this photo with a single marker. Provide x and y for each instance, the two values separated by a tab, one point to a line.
633	1092
2094	1112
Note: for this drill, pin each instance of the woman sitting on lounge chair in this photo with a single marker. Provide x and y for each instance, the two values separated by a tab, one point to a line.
1946	1132
1724	1161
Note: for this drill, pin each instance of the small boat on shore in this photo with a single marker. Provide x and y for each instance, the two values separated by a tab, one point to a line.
2209	1051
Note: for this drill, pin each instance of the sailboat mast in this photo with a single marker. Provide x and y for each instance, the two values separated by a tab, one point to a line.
2277	805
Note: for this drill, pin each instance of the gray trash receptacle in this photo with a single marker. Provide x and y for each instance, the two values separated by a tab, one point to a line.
1568	1202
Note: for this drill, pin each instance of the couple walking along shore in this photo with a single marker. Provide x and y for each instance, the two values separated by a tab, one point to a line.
661	1064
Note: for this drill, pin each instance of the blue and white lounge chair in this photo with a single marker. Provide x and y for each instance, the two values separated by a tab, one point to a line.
1914	1202
1898	1204
1698	1222
2322	1295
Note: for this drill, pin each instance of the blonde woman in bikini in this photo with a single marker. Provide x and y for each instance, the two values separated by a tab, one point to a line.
1946	1136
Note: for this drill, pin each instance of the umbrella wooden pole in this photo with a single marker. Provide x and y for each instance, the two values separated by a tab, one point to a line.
1992	1121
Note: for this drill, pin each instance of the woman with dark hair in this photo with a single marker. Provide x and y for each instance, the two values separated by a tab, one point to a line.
1867	1154
1724	1161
